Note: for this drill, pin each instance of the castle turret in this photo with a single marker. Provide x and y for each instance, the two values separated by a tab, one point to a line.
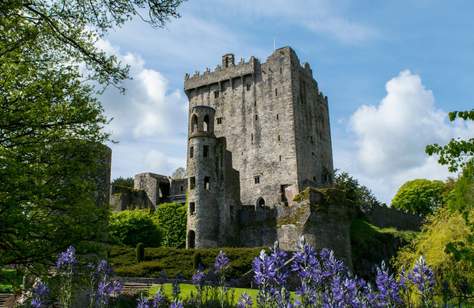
203	210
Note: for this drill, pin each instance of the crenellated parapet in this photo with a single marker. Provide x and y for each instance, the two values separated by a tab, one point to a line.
226	71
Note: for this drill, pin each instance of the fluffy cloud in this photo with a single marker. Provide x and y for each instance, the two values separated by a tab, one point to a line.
148	121
390	137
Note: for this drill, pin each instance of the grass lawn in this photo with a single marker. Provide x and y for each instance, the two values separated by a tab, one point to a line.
186	290
7	278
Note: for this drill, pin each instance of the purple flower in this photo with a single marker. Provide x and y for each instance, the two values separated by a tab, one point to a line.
143	303
198	278
36	303
104	268
423	278
388	287
176	304
158	299
221	263
245	301
40	289
176	289
66	258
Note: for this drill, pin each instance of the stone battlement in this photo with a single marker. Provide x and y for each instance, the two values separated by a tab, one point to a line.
226	71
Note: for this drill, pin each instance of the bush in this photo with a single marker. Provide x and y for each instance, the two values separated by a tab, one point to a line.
132	227
140	252
171	218
176	261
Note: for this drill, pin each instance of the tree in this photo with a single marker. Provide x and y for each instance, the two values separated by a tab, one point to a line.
179	173
123	182
419	197
171	217
359	194
457	152
131	227
51	121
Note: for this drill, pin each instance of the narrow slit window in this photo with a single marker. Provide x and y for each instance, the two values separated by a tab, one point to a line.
281	70
256	117
278	117
207	183
192	182
279	157
279	138
251	138
205	151
219	120
276	92
248	86
257	179
216	94
192	208
191	152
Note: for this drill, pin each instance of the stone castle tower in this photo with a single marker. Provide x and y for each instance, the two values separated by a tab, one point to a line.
258	134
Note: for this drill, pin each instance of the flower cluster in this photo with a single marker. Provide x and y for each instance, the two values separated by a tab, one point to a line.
40	294
66	258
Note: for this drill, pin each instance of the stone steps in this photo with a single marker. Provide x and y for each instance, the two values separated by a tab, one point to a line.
134	288
6	300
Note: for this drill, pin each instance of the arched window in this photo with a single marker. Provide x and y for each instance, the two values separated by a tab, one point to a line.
206	123
191	239
260	202
194	123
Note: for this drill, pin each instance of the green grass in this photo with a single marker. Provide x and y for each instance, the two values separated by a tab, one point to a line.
8	279
187	289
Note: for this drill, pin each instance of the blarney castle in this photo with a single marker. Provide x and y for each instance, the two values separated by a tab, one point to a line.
259	161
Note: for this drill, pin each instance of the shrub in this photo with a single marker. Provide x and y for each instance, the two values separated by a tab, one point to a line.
171	217
140	252
132	227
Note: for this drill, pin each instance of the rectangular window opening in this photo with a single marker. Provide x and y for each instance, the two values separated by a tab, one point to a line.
192	208
256	117
191	152
205	151
277	117
257	179
219	120
248	86
216	94
279	157
207	183
279	138
192	182
276	92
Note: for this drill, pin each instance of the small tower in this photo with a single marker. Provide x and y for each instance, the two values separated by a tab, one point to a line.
203	210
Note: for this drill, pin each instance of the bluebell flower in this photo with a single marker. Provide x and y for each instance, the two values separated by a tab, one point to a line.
66	258
143	303
198	278
176	304
159	299
245	301
423	278
36	303
40	289
221	263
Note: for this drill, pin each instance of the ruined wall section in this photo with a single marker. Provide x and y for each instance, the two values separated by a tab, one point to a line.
312	128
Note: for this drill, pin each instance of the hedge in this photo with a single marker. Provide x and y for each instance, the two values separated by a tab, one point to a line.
175	261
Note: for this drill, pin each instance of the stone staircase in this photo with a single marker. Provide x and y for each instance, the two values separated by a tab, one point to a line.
134	288
6	300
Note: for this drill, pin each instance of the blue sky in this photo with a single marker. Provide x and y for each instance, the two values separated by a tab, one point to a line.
391	70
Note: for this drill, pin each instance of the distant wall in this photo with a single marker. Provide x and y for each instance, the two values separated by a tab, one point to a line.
385	217
129	199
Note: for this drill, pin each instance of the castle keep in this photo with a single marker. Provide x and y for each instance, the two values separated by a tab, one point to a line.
259	163
258	134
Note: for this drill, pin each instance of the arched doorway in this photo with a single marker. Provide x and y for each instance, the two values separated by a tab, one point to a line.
205	123
260	202
194	123
191	239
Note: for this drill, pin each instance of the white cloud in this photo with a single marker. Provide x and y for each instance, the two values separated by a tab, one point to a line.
390	137
149	120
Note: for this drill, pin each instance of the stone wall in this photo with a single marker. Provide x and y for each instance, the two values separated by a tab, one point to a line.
384	217
129	199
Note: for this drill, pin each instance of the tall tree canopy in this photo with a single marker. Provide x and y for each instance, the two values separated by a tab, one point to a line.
51	121
420	196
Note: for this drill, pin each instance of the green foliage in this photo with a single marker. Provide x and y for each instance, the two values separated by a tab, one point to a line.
131	227
140	252
419	197
372	245
457	152
123	182
171	217
197	262
179	261
357	193
51	123
447	241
